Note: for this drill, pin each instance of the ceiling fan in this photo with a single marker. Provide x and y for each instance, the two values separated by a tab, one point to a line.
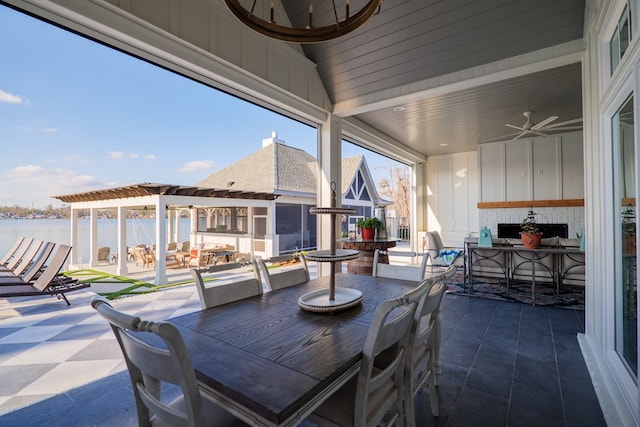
540	129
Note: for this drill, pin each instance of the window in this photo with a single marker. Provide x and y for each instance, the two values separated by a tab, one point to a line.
626	292
621	38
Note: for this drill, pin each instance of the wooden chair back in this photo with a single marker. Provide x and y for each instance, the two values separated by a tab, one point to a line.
287	276
404	271
240	286
378	386
150	366
424	345
103	254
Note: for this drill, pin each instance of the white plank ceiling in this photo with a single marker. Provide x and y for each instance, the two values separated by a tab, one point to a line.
412	42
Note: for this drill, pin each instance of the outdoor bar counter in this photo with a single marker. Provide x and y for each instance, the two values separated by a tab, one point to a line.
364	263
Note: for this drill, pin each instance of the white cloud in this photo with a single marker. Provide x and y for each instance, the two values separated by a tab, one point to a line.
119	155
10	98
32	184
50	130
197	165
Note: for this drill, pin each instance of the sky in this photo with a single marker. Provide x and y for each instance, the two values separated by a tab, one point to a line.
77	116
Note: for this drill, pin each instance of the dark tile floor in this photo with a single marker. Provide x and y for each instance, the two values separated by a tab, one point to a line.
503	364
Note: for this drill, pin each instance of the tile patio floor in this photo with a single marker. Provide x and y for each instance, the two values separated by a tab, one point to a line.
504	363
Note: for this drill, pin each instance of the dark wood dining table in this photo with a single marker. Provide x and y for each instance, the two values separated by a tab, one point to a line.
272	363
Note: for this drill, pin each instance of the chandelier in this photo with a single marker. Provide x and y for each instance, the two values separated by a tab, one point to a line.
342	23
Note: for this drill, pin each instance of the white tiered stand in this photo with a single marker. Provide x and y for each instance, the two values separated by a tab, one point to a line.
332	299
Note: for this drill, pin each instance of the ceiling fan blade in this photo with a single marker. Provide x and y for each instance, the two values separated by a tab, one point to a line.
515	127
544	122
537	132
568	122
500	138
554	129
520	135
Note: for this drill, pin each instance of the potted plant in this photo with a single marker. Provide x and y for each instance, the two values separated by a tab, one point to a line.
530	233
368	227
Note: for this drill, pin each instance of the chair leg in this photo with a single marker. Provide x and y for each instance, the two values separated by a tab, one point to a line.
433	396
409	405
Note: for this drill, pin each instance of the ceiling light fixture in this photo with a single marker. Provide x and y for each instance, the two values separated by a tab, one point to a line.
309	34
399	109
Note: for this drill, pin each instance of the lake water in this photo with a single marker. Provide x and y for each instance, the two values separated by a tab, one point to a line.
139	231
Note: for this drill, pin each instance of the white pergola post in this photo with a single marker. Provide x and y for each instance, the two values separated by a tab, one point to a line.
74	239
329	164
194	226
93	237
161	242
121	250
176	230
170	225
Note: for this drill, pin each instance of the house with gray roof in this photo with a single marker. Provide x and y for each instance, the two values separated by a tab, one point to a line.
291	175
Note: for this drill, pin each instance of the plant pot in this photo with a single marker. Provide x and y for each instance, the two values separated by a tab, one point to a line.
531	241
368	233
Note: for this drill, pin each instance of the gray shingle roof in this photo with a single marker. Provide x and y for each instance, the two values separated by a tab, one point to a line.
277	168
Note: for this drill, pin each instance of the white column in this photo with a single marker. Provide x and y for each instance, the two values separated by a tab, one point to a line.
170	226
418	203
121	250
93	237
330	170
161	243
73	239
194	226
177	237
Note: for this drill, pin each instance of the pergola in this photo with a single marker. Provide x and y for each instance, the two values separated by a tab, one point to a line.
166	199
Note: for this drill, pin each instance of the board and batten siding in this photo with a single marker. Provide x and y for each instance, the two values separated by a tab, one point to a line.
452	195
541	168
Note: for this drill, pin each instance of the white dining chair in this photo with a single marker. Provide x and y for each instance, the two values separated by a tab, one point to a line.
407	270
286	276
153	367
423	355
375	394
239	286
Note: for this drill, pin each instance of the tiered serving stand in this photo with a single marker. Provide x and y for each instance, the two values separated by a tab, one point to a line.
332	299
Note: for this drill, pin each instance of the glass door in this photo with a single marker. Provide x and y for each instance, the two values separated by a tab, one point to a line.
626	290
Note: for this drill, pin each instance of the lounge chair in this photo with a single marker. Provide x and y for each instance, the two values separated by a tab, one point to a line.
18	255
35	267
17	268
12	251
48	283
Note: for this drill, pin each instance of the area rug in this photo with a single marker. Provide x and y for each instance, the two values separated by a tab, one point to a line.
518	292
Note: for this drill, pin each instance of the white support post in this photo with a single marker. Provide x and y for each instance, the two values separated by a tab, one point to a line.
330	170
93	237
161	242
121	250
75	254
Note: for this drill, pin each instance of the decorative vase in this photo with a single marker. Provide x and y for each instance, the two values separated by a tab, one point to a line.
531	240
368	233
